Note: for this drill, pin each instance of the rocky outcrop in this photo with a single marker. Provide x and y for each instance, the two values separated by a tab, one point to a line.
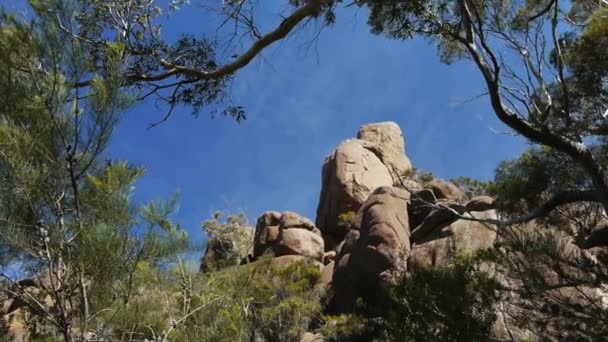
376	222
298	241
287	234
445	190
388	144
355	169
399	220
16	313
266	232
560	311
385	235
445	243
377	252
350	174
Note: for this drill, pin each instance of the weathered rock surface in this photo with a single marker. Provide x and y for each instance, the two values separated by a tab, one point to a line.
385	236
598	236
441	215
443	189
480	203
290	219
377	252
355	169
350	174
329	257
554	314
266	232
298	241
327	274
287	233
15	312
389	145
445	243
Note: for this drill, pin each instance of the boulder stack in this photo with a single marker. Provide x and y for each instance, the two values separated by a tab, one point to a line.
355	169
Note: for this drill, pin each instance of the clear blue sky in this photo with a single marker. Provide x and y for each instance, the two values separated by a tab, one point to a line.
301	101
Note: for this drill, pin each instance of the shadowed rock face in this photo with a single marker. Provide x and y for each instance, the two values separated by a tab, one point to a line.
266	232
355	169
385	233
378	251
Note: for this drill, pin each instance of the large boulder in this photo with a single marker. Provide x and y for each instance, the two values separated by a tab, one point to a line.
375	254
385	234
389	145
287	234
481	203
445	243
443	213
298	241
445	190
350	174
355	169
290	219
266	232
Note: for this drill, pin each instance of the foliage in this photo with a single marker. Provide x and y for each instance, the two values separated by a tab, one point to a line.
454	302
559	285
261	300
68	219
449	303
343	327
230	240
471	187
347	219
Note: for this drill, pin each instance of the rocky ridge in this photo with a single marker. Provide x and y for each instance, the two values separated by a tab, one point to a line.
375	223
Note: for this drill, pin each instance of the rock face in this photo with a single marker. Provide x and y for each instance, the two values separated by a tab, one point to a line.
266	232
445	190
374	221
445	243
16	312
298	241
355	169
388	143
385	235
350	174
378	252
287	234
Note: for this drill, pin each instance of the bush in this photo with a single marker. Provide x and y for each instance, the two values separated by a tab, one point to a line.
449	303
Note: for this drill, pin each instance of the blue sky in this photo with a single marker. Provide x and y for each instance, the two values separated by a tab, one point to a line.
301	101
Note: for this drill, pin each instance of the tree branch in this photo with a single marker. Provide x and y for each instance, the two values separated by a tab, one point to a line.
310	9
